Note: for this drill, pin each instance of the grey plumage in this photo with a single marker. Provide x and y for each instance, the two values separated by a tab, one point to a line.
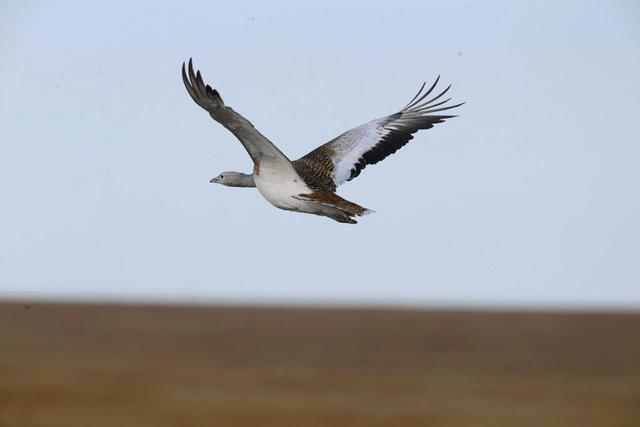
256	144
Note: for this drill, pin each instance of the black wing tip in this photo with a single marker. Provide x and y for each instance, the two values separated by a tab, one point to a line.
184	67
449	107
202	93
416	100
426	106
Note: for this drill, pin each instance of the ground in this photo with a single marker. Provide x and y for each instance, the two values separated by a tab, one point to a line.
107	365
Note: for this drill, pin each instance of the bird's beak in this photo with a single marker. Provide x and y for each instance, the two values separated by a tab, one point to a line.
214	180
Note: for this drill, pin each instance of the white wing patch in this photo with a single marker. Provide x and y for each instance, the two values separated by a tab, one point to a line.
349	148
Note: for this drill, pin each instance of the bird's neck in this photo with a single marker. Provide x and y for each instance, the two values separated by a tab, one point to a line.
242	180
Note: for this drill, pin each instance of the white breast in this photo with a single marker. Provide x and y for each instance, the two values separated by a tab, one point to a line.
279	186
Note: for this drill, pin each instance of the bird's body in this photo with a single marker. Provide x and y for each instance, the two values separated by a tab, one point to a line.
287	190
308	184
280	186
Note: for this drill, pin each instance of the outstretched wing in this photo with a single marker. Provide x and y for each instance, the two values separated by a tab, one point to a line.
344	157
258	146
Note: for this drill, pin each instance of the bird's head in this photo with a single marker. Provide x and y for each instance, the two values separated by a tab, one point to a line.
226	178
234	179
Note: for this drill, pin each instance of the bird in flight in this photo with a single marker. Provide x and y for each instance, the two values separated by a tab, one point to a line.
309	184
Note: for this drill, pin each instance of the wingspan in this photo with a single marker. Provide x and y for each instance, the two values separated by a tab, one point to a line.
344	157
256	144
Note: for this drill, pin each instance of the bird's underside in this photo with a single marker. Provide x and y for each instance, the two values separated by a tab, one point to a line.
308	184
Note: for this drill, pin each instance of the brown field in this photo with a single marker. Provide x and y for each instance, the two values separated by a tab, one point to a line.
92	365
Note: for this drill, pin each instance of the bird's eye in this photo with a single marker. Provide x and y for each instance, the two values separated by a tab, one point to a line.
221	176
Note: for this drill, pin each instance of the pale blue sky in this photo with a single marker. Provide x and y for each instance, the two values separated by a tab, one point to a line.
529	198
